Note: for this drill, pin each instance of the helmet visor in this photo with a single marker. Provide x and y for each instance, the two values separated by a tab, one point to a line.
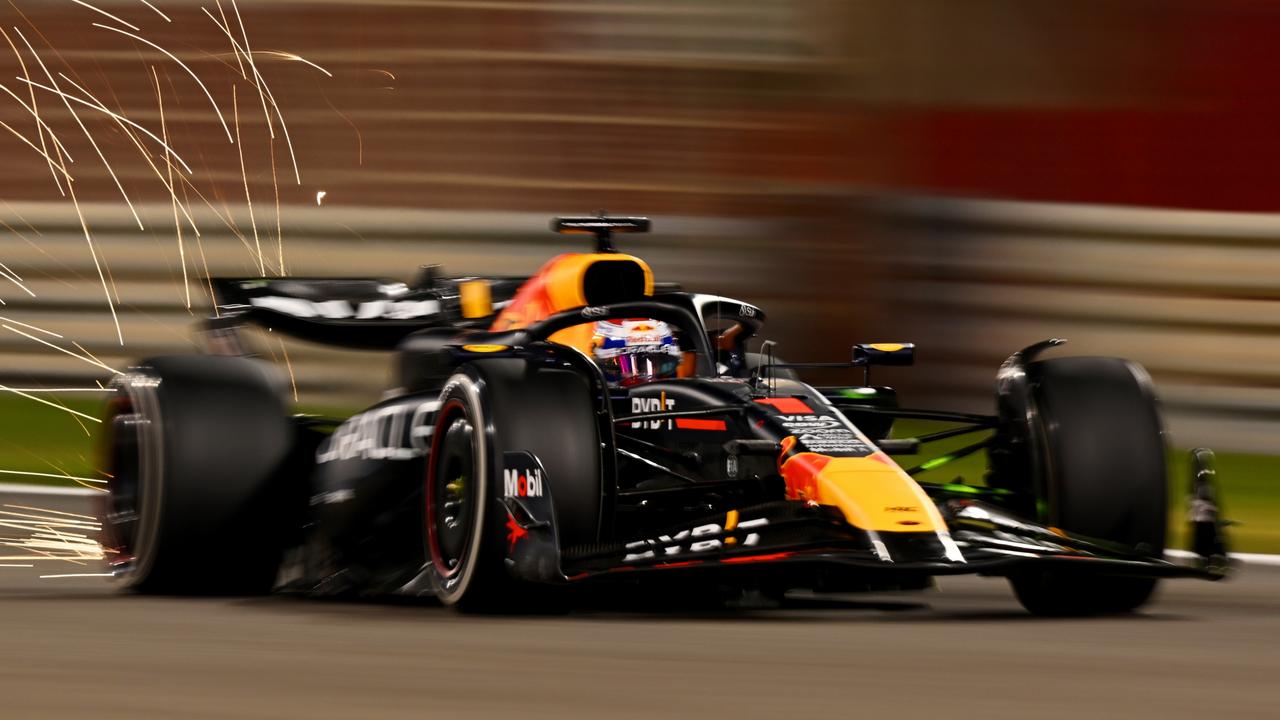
634	368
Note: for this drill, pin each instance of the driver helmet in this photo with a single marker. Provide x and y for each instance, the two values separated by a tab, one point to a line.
635	351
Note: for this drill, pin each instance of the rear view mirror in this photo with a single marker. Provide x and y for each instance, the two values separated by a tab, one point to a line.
867	354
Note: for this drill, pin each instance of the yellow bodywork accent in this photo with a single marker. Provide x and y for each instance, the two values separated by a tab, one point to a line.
476	298
875	494
485	348
886	347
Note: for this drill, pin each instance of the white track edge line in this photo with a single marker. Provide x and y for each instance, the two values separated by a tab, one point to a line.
25	489
1247	558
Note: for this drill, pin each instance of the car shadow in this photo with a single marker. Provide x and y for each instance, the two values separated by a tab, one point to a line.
929	609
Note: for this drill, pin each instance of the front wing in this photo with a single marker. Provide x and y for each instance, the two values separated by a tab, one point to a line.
792	537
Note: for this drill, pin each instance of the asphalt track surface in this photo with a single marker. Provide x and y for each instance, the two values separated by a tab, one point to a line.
77	648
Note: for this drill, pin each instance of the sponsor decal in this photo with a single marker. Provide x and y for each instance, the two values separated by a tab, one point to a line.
594	312
333	497
643	405
515	533
701	539
522	482
344	310
810	422
394	432
902	508
747	311
825	434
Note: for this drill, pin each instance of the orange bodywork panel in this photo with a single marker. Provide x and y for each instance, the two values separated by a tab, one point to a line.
558	286
476	299
872	492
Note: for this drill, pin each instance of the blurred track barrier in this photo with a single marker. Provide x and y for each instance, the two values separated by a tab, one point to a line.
1194	296
45	247
700	107
687	112
1191	295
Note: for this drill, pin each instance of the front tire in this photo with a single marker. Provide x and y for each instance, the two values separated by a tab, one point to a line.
486	410
1099	447
461	554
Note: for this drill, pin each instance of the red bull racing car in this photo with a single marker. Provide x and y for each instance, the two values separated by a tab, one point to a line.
588	426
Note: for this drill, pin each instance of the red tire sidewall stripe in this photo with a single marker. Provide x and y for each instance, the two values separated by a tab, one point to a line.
433	537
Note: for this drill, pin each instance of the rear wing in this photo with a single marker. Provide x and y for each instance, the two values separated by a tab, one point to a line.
376	313
360	313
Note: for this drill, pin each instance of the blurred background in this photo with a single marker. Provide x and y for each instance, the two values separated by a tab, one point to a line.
973	177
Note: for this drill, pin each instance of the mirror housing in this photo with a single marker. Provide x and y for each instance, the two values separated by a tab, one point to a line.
867	354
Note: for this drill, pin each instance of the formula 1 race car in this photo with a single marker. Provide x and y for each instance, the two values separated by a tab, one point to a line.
508	465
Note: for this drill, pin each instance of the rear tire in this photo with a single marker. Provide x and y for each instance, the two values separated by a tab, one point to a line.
486	410
194	447
1100	449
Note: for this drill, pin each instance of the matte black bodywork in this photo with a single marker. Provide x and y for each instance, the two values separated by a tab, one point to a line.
690	468
690	479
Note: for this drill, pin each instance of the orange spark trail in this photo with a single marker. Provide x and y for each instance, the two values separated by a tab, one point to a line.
75	116
182	65
41	127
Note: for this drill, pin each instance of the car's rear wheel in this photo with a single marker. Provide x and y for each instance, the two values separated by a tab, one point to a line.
1099	456
193	449
487	410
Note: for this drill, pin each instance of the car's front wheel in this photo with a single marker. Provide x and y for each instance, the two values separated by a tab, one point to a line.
1099	452
462	552
487	411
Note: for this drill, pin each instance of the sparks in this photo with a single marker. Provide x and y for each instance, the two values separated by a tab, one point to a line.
90	359
260	84
100	11
182	65
157	11
244	174
66	100
64	476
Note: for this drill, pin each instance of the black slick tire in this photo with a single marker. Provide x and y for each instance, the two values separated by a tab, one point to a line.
194	448
1100	445
486	410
